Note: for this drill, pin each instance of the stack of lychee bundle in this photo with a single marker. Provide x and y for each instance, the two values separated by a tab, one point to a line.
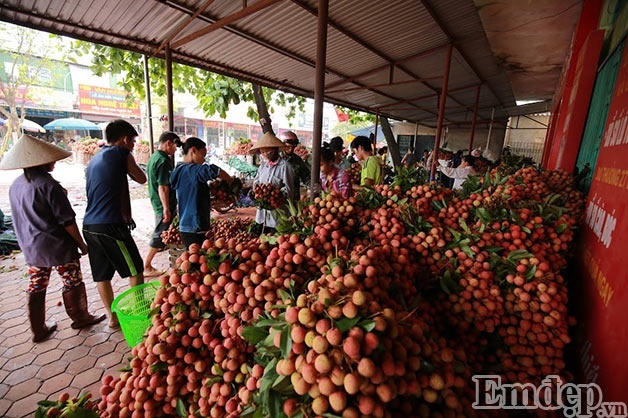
268	196
381	305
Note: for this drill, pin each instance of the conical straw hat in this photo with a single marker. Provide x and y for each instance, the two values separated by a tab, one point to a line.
268	141
31	152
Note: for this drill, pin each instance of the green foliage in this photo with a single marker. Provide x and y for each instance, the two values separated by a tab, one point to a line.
408	177
504	266
81	407
289	101
181	411
274	388
369	199
290	222
477	183
28	57
511	163
413	221
449	283
215	92
342	129
358	117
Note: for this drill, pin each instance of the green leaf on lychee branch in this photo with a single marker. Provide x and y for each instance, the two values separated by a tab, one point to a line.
345	324
274	404
160	365
427	366
448	284
285	344
530	273
561	228
520	254
282	384
181	410
367	325
253	334
285	295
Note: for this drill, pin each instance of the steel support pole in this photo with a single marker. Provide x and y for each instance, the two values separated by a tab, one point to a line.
490	129
375	133
416	134
149	106
319	94
169	97
475	117
441	113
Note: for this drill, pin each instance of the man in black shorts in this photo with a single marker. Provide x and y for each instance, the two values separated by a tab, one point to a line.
162	197
107	223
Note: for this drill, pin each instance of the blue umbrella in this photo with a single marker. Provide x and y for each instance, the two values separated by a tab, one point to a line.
69	124
369	130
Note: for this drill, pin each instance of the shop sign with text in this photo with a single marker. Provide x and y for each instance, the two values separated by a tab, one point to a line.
106	101
604	247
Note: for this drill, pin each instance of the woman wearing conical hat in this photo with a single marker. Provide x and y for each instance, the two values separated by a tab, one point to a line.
46	229
273	170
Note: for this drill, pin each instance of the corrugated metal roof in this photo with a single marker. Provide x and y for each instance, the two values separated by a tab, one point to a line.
382	57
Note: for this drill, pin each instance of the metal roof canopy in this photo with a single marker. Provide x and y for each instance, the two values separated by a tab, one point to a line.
384	57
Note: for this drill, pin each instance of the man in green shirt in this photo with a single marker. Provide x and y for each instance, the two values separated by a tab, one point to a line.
162	196
372	170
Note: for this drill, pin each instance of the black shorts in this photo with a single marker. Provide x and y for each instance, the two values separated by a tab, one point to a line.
156	241
112	248
192	238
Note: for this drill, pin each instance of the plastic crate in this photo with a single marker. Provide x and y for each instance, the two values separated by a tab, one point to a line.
132	308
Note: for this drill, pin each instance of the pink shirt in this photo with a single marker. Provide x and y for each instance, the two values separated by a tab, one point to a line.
340	182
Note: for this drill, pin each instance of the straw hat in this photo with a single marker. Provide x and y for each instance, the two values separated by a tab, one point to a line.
268	141
31	152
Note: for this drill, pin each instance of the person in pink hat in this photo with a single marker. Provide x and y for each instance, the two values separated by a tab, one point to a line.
46	230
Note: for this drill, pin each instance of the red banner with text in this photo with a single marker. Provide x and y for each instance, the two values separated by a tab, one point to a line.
605	274
106	101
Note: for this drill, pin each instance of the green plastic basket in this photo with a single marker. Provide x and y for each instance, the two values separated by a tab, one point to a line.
132	308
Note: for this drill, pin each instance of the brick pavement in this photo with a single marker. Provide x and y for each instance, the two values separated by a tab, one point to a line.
71	361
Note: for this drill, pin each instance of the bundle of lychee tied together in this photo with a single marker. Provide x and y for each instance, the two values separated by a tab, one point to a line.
172	235
345	348
222	190
268	196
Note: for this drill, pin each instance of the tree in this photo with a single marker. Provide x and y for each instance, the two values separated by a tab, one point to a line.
214	92
393	146
343	129
28	63
359	120
357	117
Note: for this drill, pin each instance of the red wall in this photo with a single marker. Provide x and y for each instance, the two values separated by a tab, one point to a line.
563	137
566	144
601	270
603	248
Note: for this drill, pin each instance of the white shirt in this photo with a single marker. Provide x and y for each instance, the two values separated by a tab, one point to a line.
459	174
280	175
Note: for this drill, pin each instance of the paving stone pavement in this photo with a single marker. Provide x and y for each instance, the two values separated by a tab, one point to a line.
71	361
